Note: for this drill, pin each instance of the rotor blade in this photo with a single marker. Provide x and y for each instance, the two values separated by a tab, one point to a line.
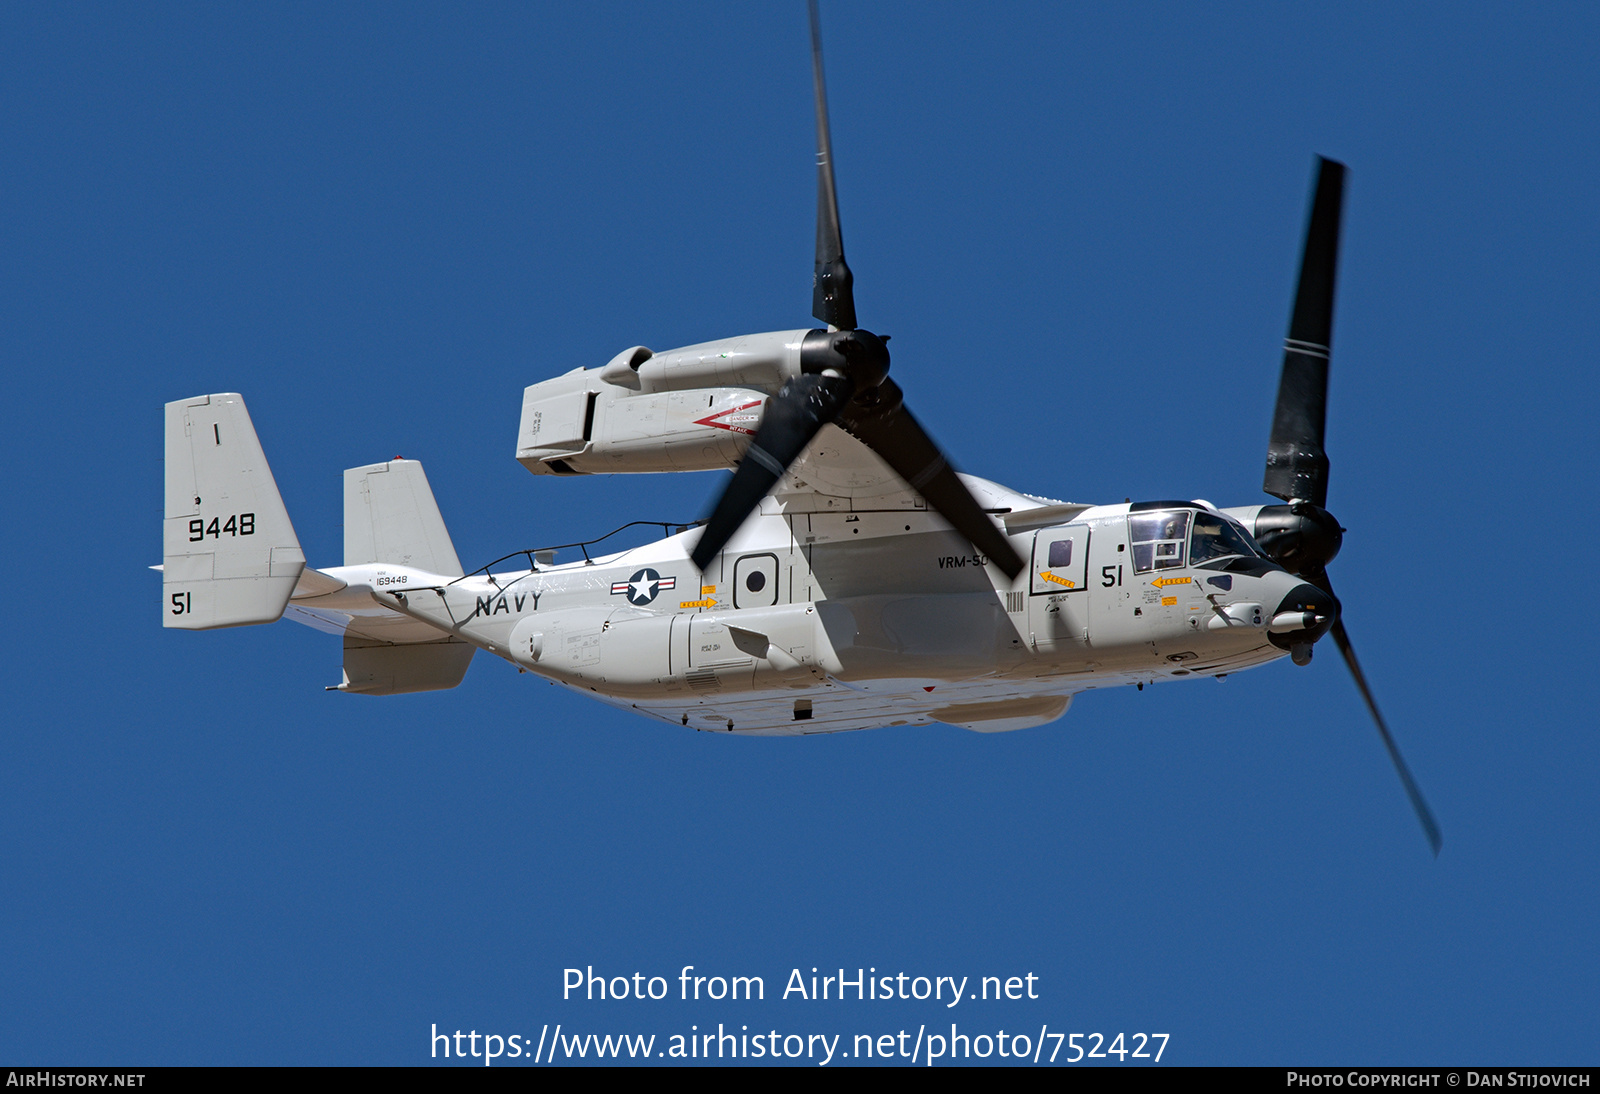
803	406
1297	465
832	297
1414	792
904	445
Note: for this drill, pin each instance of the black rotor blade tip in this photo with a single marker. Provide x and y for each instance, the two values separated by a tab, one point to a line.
1430	826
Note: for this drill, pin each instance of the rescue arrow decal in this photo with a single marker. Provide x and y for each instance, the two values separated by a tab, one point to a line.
732	419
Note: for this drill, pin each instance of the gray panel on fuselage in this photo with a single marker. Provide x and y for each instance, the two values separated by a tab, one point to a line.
953	636
876	560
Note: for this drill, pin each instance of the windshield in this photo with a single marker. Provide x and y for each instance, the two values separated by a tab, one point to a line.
1158	539
1215	536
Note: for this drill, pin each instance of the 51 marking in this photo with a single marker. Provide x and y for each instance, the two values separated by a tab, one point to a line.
240	524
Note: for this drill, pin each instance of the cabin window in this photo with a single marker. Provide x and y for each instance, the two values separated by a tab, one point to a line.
1060	554
1158	539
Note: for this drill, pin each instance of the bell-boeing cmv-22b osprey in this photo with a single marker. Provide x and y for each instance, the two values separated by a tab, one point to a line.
848	576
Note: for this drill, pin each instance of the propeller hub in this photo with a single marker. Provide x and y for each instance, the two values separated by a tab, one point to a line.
844	381
1301	537
859	355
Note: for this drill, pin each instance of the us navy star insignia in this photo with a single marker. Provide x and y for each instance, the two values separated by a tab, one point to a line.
643	586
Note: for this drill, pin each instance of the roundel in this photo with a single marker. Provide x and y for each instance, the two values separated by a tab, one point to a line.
643	586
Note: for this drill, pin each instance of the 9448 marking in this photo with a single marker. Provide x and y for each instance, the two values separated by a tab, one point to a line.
239	524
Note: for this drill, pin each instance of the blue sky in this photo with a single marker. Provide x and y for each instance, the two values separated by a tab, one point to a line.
1080	225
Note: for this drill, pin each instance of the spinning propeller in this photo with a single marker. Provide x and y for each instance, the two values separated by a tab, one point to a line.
844	381
1302	536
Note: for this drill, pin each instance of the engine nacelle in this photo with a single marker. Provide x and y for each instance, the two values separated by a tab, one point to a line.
690	409
573	426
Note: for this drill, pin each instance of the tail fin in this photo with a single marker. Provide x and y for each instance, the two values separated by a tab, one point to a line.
390	516
229	554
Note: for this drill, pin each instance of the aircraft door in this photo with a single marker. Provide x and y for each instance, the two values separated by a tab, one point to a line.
755	581
1058	604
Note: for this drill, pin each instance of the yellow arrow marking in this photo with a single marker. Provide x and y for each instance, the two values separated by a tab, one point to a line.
1048	576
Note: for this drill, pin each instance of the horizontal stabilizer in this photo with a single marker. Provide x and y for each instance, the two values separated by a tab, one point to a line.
316	583
229	552
390	516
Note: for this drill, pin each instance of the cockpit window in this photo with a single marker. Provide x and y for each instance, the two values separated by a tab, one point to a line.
1217	537
1158	539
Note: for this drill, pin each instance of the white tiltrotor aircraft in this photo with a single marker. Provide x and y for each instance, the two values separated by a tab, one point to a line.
848	577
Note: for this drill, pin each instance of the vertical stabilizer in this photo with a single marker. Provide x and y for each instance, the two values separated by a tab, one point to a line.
229	553
390	516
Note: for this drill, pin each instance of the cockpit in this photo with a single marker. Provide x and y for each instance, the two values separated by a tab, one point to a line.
1163	536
